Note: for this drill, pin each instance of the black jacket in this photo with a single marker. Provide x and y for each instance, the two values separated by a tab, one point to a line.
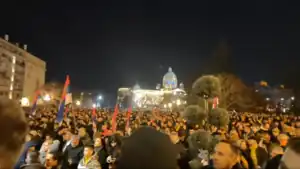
273	163
74	154
32	166
102	155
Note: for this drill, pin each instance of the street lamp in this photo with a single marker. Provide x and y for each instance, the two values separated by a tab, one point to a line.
78	103
282	99
47	98
100	97
24	101
293	98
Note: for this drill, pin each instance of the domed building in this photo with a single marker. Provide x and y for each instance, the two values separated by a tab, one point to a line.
170	80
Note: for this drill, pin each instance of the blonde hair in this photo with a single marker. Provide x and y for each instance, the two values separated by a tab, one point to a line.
13	130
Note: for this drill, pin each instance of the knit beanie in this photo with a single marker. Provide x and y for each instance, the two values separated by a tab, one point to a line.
147	148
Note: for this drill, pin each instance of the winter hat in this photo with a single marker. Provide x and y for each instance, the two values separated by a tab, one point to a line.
147	148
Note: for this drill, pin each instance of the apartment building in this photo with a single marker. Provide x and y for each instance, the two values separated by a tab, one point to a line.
21	73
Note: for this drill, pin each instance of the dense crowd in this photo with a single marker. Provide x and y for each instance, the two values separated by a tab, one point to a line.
150	140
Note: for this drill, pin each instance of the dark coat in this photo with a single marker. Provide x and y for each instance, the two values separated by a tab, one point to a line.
273	163
74	154
102	155
32	166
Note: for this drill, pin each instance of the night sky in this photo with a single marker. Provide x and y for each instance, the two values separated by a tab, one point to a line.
104	45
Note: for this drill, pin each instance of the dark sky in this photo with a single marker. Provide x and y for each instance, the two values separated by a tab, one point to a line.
108	44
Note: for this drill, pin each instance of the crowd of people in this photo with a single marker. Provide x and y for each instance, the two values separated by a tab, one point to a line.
147	140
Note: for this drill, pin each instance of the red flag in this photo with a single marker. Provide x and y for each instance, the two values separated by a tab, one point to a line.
94	114
114	118
215	102
128	117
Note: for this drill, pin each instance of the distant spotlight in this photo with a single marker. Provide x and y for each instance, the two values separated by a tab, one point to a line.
100	97
267	99
293	98
282	99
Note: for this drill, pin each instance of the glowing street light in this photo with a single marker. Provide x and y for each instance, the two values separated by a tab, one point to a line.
267	99
282	99
94	105
170	105
47	98
293	98
77	103
24	101
100	97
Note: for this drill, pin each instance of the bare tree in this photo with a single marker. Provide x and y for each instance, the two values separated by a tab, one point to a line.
234	93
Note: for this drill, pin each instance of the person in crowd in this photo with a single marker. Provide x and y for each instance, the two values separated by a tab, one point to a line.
67	138
32	161
275	157
89	161
13	131
291	156
84	136
147	148
226	156
73	153
52	161
100	151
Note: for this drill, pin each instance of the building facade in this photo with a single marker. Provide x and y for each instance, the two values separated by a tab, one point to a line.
21	73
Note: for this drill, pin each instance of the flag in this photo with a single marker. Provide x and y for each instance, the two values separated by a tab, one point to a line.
114	118
128	116
60	113
35	99
215	102
94	115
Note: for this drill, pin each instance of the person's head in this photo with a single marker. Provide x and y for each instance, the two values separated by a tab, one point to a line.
276	150
291	156
225	155
75	141
67	136
49	137
283	139
82	132
98	142
13	130
88	151
51	160
32	157
174	137
275	132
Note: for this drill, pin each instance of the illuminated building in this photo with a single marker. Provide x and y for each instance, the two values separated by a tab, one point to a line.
21	73
169	96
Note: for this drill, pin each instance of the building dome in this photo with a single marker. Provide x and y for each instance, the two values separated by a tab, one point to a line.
170	80
136	87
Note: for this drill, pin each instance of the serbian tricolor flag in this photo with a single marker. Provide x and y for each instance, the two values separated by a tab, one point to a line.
215	102
128	116
114	118
63	101
35	99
